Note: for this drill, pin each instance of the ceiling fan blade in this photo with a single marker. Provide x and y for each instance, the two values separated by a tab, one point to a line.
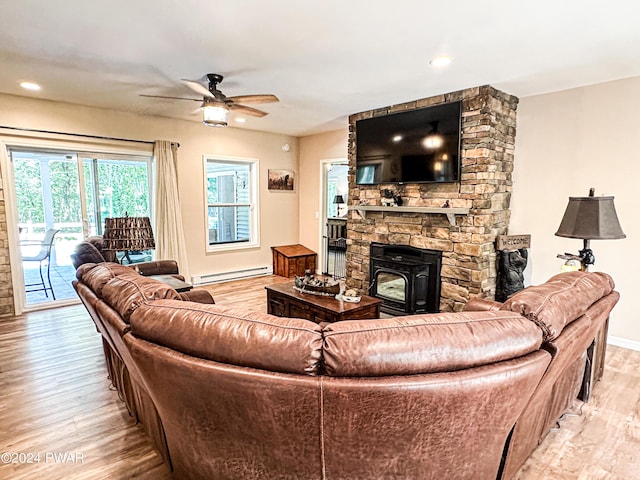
197	87
254	99
172	98
248	110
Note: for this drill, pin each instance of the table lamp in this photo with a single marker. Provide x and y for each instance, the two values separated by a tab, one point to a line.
338	200
589	218
127	234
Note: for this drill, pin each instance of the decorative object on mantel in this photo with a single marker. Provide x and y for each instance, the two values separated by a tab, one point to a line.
589	218
387	199
512	260
390	199
446	204
316	286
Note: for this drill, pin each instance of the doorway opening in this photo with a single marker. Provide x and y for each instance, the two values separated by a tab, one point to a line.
335	194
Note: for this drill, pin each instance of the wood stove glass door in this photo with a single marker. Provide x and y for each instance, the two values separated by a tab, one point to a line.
391	286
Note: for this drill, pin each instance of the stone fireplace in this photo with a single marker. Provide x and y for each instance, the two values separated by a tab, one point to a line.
478	206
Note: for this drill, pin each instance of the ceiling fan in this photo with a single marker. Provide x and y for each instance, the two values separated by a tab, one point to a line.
216	105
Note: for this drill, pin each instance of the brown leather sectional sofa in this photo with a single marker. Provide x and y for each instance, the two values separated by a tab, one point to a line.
226	393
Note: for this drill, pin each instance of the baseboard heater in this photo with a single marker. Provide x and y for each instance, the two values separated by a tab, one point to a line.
197	280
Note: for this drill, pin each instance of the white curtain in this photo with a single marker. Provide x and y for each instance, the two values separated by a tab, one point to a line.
169	234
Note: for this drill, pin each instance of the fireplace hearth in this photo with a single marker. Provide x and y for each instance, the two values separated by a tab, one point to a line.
405	278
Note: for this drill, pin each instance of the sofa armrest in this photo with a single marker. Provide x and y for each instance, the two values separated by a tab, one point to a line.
158	267
199	295
481	304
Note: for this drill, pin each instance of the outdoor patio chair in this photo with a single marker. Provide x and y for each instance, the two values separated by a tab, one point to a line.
41	256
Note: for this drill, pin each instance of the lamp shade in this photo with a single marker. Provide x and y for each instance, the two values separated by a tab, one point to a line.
128	234
590	218
338	199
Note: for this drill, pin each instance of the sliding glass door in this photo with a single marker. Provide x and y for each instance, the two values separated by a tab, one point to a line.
115	188
70	193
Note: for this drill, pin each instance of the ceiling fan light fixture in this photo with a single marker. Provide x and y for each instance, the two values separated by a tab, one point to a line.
214	114
216	105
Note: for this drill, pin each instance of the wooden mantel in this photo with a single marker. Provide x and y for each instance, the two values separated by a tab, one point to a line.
449	212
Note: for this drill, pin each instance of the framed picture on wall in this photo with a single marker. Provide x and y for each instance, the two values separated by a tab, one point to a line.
280	179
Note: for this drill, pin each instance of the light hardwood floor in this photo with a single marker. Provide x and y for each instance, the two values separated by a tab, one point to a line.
55	399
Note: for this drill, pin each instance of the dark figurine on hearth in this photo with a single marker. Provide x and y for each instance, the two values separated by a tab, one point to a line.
511	264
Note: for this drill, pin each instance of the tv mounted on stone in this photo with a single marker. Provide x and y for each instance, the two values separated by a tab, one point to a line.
416	146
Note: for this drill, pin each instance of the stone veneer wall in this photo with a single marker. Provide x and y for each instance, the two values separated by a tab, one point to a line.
469	257
6	284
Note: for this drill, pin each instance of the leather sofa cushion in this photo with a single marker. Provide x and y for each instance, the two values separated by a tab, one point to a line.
232	336
125	293
86	252
426	343
96	276
158	267
480	304
561	300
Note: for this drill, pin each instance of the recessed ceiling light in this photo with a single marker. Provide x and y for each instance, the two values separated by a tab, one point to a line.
241	120
441	61
30	86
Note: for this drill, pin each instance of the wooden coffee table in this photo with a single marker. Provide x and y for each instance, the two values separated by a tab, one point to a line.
284	301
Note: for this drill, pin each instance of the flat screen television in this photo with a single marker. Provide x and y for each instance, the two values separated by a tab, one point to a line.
417	146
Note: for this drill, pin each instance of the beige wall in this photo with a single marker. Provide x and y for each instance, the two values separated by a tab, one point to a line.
313	150
567	142
279	210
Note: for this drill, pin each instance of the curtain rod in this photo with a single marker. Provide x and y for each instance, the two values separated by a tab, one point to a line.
99	137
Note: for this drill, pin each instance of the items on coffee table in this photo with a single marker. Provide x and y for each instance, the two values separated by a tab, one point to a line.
285	300
317	286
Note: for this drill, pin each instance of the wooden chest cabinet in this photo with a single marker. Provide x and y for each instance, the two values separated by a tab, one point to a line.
291	260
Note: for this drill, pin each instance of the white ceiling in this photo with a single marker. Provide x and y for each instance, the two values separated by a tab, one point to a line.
324	59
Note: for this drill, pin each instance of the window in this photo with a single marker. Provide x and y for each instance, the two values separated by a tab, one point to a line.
232	213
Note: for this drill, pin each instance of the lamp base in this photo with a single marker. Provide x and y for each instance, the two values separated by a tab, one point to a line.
585	257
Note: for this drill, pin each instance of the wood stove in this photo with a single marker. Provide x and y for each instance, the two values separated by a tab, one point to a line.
405	278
